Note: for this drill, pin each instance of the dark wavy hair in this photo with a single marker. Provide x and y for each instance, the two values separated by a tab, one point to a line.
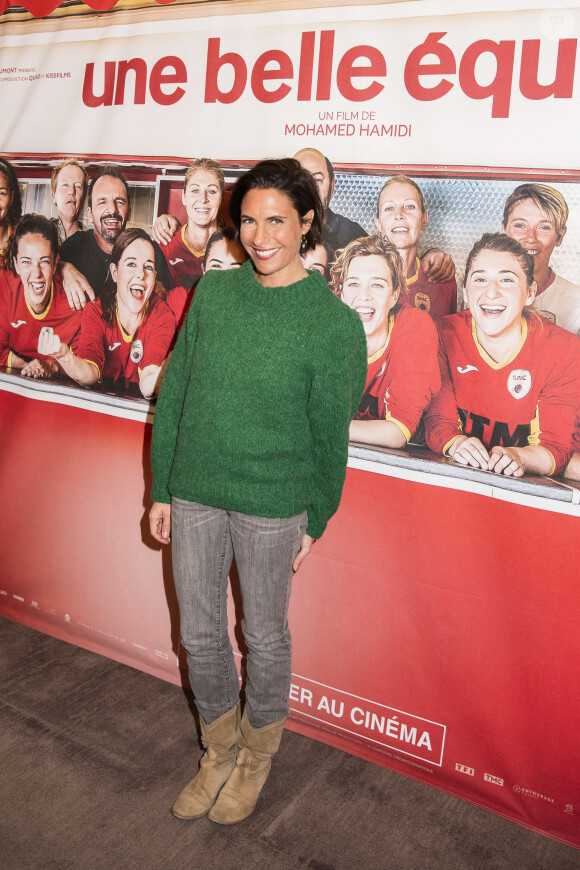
287	176
108	295
504	245
15	210
30	223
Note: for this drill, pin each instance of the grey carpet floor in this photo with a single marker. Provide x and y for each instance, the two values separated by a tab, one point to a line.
93	753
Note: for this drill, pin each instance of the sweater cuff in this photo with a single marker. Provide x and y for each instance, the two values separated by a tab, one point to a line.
160	495
315	527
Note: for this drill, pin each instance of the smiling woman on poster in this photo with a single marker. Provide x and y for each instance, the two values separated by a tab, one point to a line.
126	334
510	391
32	298
184	247
249	452
403	374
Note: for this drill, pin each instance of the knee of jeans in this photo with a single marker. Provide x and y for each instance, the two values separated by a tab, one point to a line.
204	643
270	641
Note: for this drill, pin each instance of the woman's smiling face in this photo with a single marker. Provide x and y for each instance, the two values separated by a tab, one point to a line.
368	289
400	216
497	292
202	198
271	231
35	263
535	231
135	276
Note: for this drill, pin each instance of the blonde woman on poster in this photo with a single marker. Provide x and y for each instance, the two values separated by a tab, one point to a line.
184	246
69	185
400	218
510	392
536	215
402	369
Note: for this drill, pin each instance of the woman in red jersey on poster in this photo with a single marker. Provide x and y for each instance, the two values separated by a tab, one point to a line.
32	298
402	373
400	218
510	379
184	246
126	334
10	206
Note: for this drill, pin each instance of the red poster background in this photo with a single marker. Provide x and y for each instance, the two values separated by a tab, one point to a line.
446	611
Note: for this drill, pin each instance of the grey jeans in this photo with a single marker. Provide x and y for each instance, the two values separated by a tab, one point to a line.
204	541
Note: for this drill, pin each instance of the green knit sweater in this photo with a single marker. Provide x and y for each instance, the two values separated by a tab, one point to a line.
254	410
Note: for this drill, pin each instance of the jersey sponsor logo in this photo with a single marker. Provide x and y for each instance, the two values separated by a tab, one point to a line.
422	301
136	351
114	346
462	768
18	323
470	368
497	780
519	383
176	261
477	426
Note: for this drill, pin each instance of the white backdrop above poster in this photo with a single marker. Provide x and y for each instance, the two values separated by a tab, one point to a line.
363	84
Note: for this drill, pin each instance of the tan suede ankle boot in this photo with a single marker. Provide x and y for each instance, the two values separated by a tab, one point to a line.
256	747
220	740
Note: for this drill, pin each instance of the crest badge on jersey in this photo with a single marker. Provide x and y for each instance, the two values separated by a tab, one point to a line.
137	351
422	301
519	383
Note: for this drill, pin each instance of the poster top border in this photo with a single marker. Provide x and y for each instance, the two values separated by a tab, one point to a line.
120	22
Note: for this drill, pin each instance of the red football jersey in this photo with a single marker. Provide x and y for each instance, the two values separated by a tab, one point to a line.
403	376
20	326
179	300
120	357
183	262
533	398
437	299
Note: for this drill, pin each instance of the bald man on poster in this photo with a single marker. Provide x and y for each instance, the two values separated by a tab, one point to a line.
340	230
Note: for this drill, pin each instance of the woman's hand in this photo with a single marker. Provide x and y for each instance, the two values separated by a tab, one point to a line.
164	229
469	451
305	546
160	522
40	368
506	460
438	266
49	344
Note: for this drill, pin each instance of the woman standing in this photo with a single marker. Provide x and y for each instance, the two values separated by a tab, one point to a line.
249	458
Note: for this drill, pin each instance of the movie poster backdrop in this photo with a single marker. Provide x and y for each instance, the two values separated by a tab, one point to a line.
469	105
